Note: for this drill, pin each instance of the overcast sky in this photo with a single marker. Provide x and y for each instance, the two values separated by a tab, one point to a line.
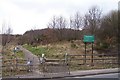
23	15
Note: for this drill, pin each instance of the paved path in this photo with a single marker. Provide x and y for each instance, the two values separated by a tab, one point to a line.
75	74
30	56
94	72
111	75
36	73
35	60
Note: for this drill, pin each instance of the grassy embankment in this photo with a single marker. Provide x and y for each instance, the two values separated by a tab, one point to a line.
8	53
59	49
9	61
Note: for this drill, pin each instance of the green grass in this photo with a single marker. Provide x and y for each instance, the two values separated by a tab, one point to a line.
19	54
36	50
57	51
8	56
50	52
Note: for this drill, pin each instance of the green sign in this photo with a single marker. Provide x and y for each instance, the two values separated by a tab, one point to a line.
88	38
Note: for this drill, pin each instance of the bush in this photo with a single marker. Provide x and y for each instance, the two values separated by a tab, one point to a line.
73	45
105	45
102	45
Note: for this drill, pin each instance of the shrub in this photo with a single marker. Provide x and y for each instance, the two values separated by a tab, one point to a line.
102	45
105	45
73	45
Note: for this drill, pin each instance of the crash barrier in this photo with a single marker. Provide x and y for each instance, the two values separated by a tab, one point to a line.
23	68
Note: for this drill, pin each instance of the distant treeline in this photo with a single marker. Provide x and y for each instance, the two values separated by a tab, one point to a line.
48	35
103	27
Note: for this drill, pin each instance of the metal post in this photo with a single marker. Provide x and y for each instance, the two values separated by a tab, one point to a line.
16	63
66	62
43	64
66	59
33	66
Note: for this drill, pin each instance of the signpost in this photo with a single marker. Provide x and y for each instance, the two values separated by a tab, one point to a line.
88	39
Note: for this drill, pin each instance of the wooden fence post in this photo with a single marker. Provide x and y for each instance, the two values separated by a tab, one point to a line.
92	56
85	54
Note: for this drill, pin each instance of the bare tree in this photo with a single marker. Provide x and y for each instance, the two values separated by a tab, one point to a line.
53	23
76	23
109	28
92	20
6	33
58	23
61	22
61	25
71	23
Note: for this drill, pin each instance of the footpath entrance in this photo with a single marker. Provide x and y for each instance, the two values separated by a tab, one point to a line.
19	68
